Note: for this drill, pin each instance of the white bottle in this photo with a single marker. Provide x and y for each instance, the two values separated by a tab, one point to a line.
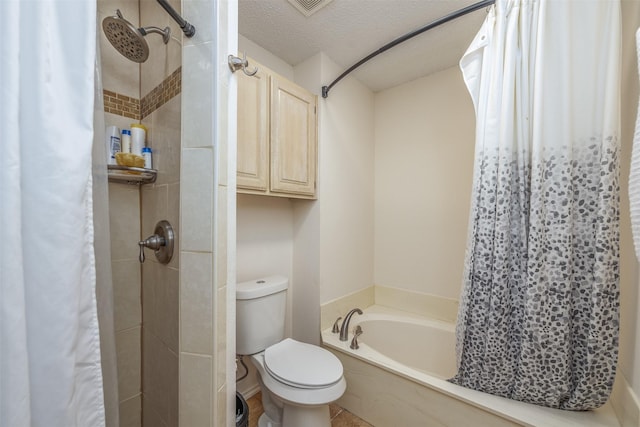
146	153
112	140
138	138
126	141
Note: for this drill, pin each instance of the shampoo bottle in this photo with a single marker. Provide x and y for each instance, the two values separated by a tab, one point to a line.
112	140
126	141
146	153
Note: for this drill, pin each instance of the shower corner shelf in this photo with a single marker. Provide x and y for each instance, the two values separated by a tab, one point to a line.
131	175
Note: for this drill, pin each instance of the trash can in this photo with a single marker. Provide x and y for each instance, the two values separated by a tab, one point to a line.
242	411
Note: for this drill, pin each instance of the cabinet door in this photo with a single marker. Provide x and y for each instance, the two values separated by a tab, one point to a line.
293	139
253	131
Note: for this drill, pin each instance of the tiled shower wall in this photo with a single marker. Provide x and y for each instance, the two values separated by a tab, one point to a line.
124	214
207	253
146	311
160	86
145	298
121	78
160	284
185	318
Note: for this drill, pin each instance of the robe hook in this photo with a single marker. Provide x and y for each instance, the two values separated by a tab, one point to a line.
236	63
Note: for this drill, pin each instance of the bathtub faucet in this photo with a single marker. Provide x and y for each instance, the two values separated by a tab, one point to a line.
344	329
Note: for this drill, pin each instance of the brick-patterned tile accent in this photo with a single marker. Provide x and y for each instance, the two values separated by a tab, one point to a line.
170	87
122	105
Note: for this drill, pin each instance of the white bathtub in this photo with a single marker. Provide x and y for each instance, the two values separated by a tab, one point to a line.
398	378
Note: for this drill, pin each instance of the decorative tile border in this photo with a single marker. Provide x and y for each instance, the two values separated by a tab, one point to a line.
170	87
123	105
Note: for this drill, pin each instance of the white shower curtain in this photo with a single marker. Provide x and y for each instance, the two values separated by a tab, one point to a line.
538	318
50	371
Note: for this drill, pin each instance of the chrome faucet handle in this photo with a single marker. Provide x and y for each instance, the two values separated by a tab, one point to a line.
336	328
354	342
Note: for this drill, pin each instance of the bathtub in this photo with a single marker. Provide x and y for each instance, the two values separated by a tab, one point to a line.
398	378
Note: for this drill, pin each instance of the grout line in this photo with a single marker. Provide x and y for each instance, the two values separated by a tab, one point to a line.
337	413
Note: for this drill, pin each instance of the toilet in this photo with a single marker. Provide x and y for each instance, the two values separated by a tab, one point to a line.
297	380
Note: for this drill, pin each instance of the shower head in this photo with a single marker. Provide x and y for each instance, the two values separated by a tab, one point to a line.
129	40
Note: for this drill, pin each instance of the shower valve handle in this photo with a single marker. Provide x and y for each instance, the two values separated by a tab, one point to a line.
161	242
154	242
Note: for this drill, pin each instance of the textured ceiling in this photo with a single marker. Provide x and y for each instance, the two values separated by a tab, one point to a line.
348	30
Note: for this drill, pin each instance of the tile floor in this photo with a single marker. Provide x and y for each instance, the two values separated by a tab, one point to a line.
339	417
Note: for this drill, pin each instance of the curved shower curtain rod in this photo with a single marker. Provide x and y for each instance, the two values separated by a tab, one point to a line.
444	19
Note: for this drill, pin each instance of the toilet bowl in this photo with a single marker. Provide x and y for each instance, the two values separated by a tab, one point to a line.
298	380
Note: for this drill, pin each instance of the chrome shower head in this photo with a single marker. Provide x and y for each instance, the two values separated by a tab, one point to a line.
129	40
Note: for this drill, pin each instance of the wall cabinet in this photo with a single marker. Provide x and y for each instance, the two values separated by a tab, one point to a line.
277	136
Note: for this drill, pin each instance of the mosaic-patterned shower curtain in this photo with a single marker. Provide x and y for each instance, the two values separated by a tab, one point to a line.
538	319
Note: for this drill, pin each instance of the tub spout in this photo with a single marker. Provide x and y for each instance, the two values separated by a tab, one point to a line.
344	329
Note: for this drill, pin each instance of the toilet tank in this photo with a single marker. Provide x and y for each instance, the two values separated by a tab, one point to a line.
260	311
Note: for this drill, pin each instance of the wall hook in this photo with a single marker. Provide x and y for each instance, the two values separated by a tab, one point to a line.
161	242
236	63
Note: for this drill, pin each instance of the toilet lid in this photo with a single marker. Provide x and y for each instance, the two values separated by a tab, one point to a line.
302	365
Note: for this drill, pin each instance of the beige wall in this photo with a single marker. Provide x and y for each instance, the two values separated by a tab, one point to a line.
264	57
264	237
346	185
424	151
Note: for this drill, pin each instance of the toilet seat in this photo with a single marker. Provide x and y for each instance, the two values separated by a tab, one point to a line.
296	395
302	365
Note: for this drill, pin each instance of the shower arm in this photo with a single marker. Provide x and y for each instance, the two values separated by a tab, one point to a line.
188	29
166	32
